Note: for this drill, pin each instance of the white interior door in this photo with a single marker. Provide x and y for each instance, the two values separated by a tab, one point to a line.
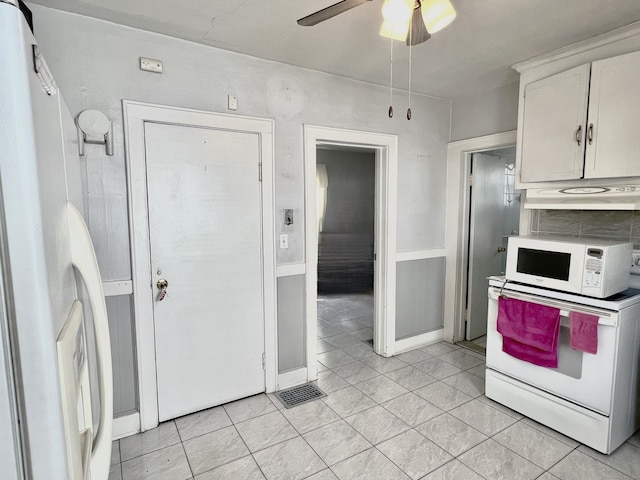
488	219
204	199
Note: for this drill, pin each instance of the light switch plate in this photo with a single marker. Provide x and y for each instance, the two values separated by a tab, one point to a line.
288	216
232	102
284	240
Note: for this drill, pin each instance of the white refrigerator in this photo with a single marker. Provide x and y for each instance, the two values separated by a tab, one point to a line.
49	280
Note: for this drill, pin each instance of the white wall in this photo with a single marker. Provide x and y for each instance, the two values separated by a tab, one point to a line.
484	113
95	63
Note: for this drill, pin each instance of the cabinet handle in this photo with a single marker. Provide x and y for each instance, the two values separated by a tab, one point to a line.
590	133
579	135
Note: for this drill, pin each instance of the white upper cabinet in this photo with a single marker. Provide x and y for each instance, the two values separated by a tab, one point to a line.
555	111
582	123
613	136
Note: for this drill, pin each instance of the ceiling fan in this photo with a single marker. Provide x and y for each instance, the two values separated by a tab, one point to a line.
409	20
330	12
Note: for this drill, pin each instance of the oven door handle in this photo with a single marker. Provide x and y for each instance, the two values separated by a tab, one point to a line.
605	317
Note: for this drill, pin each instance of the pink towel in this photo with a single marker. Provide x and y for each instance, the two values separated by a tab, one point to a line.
584	332
530	354
529	331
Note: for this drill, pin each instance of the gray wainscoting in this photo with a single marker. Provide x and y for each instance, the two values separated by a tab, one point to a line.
291	323
125	389
419	296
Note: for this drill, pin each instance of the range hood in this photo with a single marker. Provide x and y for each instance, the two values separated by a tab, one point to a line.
603	197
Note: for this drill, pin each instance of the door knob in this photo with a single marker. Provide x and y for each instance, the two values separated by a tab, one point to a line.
501	249
162	285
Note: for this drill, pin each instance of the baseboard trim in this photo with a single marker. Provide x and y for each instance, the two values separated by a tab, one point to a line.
288	270
421	340
126	425
421	254
292	378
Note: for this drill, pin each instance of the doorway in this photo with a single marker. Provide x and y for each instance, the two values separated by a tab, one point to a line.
201	191
459	164
346	218
385	151
494	215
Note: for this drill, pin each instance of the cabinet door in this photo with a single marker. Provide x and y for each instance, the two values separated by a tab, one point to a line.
553	130
614	112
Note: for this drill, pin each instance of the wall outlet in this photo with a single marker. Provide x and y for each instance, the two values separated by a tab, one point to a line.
284	241
150	65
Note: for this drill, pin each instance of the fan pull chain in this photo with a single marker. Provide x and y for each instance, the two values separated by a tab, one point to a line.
409	109
391	79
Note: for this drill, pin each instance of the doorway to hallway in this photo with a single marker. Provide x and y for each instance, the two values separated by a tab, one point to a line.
345	217
382	149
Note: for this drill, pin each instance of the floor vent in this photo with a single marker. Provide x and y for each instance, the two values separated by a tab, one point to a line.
292	397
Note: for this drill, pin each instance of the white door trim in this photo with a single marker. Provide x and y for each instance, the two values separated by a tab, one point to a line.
386	148
135	115
457	226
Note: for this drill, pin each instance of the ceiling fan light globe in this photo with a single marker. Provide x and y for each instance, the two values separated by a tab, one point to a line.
437	14
396	31
396	11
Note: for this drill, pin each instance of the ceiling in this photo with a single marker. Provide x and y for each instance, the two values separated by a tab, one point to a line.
473	54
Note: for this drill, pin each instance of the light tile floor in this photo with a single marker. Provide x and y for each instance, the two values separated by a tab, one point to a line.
482	341
421	415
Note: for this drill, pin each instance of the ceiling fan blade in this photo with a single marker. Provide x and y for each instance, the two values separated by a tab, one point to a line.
329	12
417	29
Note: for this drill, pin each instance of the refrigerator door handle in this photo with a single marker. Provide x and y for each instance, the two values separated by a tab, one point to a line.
84	260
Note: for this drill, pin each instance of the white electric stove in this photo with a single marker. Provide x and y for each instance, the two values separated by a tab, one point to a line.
591	398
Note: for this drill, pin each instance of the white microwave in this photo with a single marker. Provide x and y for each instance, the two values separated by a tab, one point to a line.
587	266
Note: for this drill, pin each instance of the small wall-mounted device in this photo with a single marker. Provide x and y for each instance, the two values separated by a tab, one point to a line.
95	128
288	216
232	102
150	65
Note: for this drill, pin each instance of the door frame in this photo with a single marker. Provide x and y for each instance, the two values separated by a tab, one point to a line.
135	115
386	159
457	230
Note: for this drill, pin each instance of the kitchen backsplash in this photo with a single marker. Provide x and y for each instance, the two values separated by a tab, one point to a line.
609	224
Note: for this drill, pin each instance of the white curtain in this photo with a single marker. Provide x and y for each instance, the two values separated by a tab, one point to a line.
322	182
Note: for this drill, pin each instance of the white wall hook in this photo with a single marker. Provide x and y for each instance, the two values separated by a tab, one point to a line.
95	128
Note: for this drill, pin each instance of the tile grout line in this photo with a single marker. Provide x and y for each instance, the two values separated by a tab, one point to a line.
184	450
155	449
573	449
605	464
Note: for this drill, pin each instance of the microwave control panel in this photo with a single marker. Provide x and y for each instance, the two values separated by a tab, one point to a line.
593	268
